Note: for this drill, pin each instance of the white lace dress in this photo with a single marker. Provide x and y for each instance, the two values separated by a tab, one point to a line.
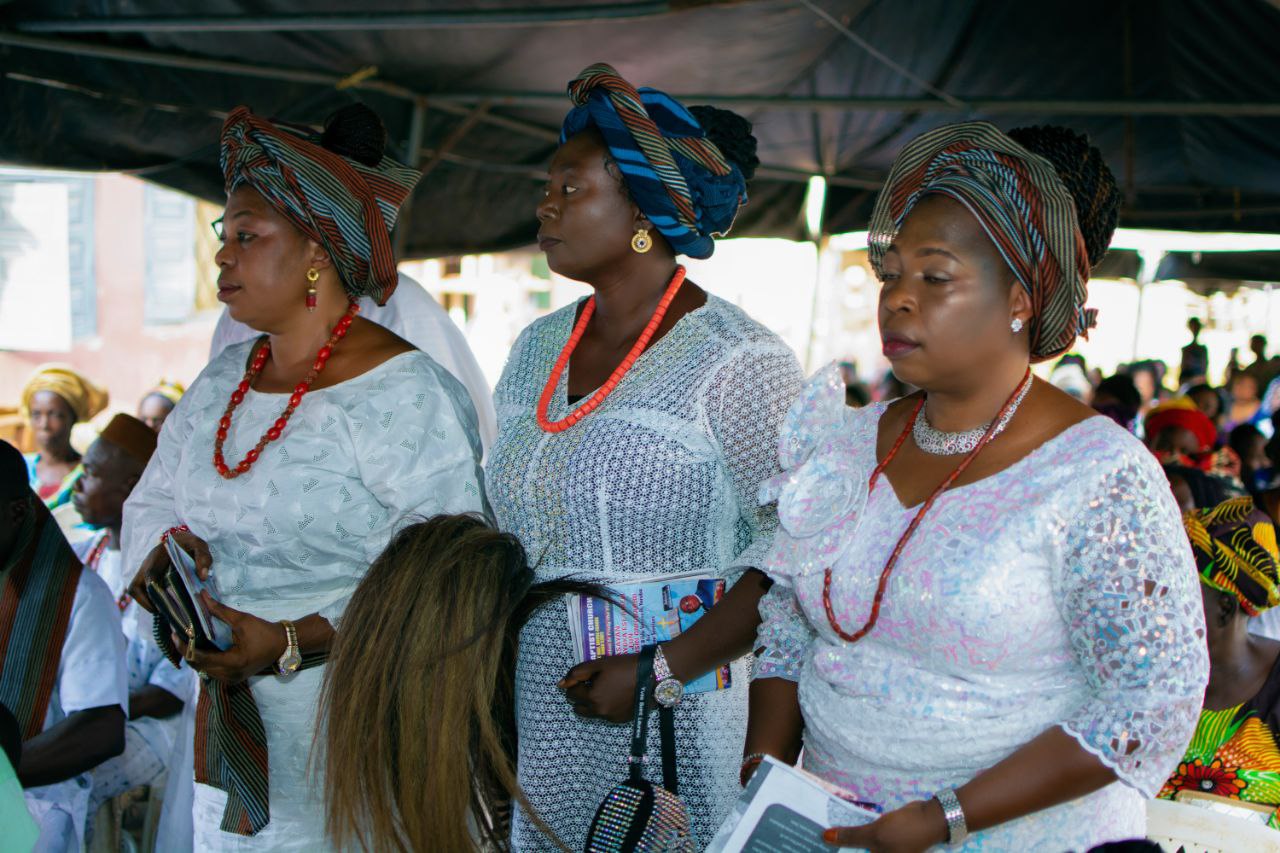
661	478
1058	592
295	534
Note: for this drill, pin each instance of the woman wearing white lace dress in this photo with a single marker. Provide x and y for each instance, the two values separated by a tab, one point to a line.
655	472
984	619
293	458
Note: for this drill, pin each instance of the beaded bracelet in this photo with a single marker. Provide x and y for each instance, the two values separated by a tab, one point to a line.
749	764
181	528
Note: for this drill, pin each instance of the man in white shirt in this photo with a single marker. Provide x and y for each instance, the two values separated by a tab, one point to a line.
157	689
61	662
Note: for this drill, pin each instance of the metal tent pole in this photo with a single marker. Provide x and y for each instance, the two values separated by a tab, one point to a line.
413	151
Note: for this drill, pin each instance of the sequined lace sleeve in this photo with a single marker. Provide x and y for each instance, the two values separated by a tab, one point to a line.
784	636
1129	595
748	398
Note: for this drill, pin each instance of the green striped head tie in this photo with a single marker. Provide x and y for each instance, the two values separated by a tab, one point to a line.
1022	205
344	205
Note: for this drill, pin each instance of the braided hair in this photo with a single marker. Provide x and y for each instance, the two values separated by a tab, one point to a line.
732	134
1086	176
357	133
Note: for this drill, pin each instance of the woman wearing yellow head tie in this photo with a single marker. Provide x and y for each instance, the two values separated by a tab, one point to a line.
156	405
56	399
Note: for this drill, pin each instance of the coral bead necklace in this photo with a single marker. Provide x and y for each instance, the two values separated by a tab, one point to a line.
620	371
299	391
993	429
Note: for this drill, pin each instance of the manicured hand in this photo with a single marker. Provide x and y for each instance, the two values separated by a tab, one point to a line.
157	562
911	829
602	689
256	645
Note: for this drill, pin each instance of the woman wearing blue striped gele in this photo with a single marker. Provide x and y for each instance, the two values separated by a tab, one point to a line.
634	429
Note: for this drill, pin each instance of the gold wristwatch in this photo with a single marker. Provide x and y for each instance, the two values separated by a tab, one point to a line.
291	659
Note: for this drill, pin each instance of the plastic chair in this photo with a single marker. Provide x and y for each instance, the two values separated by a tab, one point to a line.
106	828
155	805
1180	828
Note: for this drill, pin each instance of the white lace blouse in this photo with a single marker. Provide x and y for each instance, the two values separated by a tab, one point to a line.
294	536
661	478
1058	592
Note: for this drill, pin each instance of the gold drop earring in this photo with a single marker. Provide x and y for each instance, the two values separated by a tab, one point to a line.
641	242
313	275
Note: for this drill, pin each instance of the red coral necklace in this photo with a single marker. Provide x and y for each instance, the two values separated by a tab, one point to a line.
299	391
993	429
620	371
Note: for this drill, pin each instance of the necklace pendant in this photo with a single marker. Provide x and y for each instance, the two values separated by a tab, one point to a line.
937	442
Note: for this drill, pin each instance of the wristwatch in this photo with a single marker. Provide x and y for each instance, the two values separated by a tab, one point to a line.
291	659
668	691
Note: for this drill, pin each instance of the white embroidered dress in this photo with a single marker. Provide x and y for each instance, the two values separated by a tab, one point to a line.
1058	592
295	534
661	478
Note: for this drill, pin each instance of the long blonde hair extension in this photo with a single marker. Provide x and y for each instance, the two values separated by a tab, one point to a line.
416	727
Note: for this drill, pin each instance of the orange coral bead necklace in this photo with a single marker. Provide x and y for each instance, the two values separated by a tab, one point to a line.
590	405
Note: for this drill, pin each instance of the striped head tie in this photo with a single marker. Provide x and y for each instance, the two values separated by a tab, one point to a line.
677	177
344	205
1022	205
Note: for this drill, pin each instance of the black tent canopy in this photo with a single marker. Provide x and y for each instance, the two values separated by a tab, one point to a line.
1209	272
1181	97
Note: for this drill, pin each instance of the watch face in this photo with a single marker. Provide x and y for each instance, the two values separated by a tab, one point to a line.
668	692
291	662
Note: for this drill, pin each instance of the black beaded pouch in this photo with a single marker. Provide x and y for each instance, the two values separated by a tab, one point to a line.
639	816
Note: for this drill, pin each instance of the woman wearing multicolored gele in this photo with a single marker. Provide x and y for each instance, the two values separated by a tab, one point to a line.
985	615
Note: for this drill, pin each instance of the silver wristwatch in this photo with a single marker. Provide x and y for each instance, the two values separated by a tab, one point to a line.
668	691
957	829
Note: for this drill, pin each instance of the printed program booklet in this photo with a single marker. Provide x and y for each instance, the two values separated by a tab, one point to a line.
661	608
785	810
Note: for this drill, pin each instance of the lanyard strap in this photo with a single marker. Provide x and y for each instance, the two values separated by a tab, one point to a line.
640	726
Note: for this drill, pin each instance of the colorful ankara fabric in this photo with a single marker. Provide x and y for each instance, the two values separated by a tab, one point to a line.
1235	752
676	176
1022	205
39	586
85	398
344	205
1235	549
1182	412
54	495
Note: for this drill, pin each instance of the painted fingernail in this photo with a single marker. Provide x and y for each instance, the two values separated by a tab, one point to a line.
830	836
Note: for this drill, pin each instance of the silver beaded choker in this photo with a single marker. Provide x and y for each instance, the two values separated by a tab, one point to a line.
939	443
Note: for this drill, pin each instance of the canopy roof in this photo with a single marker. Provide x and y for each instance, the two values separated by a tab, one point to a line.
1181	97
